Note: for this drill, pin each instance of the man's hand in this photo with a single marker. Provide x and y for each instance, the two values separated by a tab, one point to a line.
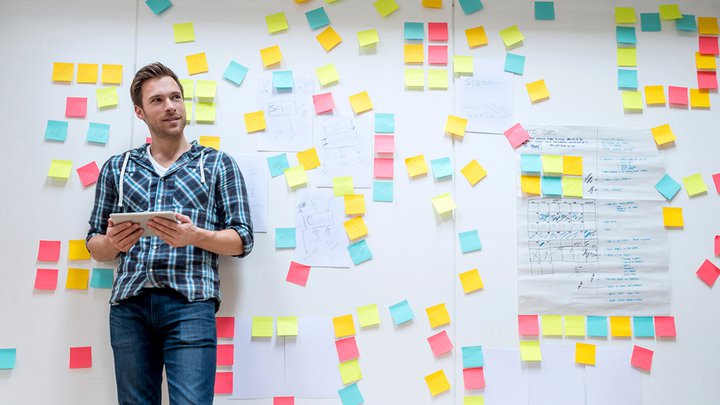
175	234
124	235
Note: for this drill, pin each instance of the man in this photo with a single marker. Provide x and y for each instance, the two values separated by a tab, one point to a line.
166	292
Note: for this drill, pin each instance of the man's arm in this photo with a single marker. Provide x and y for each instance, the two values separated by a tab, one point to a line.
119	238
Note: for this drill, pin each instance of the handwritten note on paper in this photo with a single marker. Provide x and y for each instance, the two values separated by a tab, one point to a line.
288	113
470	281
319	226
344	145
485	98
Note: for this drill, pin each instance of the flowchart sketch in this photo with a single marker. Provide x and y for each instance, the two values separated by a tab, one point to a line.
344	145
288	113
321	240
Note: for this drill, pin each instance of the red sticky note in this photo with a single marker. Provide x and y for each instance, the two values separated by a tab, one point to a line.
474	378
528	325
385	144
81	357
438	54
46	279
283	400
678	95
440	343
438	31
298	274
716	180
708	45
517	135
88	174
225	354
76	107
323	102
49	251
665	326
717	245
383	168
708	272
225	326
224	382
642	358
707	80
347	349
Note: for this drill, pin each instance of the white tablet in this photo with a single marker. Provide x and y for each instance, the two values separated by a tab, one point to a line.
141	218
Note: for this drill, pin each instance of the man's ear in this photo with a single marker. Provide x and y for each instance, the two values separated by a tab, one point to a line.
139	113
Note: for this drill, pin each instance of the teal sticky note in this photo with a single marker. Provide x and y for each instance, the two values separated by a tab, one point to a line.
283	79
382	191
285	238
472	356
317	18
235	72
56	130
351	395
551	186
643	326
384	123
102	278
626	35
668	187
359	252
650	22
530	164
627	79
471	6
597	326
514	63
278	164
401	313
470	241
414	31
441	168
7	359
98	133
158	6
686	23
544	10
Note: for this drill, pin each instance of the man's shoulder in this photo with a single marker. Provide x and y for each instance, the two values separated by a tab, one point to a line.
120	157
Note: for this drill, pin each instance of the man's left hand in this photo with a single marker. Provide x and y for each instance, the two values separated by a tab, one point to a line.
175	234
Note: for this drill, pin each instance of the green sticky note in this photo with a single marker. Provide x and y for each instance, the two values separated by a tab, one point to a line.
597	326
552	165
386	7
287	326
262	326
343	185
188	86
670	12
686	23
7	359
368	315
694	185
60	169
317	18
327	74
205	113
276	22
107	97
414	77
632	100
350	371
56	131
572	186
284	238
552	325
206	90
544	10
368	37
626	35
625	15
511	36
184	32
530	350
627	79
382	191
471	6
574	325
158	6
102	278
650	22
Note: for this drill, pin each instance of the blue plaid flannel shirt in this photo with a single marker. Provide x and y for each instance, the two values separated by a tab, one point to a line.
219	203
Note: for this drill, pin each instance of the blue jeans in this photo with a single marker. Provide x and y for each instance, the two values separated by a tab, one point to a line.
160	328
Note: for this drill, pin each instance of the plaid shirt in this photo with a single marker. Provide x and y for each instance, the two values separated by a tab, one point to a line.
219	203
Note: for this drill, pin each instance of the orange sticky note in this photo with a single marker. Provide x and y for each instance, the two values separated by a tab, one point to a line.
654	95
476	36
471	281
111	74
271	55
308	158
360	102
663	134
196	63
537	91
585	353
87	73
63	72
416	165
355	228
344	326
530	184
620	326
573	165
414	53
255	121
456	125
673	217
329	39
707	25
437	382
438	315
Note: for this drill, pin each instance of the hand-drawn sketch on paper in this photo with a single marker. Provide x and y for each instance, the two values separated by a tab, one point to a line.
321	240
288	115
344	146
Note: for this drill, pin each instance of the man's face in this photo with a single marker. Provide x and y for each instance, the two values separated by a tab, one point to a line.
163	109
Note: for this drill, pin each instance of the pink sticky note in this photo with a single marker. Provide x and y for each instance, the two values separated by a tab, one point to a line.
717	245
88	174
438	31
708	272
438	54
225	327
474	378
708	45
283	400
440	343
225	354
385	144
81	357
716	180
642	358
76	107
49	251
517	135
298	274
678	95
324	102
528	325
665	326
148	140
347	349
707	80
46	279
224	382
383	168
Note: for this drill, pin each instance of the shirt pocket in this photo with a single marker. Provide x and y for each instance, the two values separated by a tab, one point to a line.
136	192
190	192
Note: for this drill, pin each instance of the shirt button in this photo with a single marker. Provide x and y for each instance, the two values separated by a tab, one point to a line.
151	270
155	247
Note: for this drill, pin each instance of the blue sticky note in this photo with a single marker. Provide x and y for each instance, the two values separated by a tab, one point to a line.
643	326
351	395
285	238
158	6
317	18
514	63
668	187
544	10
382	191
470	241
441	168
278	164
472	356
597	326
530	164
7	359
359	252
283	79
384	123
414	31
56	131
98	133
551	186
650	22
102	278
235	72
471	6
401	312
686	23
627	79
626	35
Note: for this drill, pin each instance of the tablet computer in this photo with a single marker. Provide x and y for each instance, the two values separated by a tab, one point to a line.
141	218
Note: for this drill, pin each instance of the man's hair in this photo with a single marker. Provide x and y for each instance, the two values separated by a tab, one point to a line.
151	71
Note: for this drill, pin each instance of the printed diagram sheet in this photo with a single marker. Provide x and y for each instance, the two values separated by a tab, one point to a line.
603	253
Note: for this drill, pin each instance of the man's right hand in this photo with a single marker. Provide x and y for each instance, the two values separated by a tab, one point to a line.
124	235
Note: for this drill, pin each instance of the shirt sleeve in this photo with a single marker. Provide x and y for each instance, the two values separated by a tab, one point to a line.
233	208
105	200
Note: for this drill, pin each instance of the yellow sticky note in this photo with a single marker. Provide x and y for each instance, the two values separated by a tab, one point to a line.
456	125
574	325
77	279
368	315
699	98
585	353
552	325
663	134
414	53
360	102
329	39
188	86
673	217
620	326
530	350
437	78
416	165
255	121
511	36
530	184
296	176
271	55
60	169
287	326
107	97
625	15
437	382
196	63
343	185
552	165
473	172
438	315
111	74
471	281
627	57
77	250
432	3
206	90
473	400
355	228
694	185
327	74
87	73
344	326
308	158
184	32
463	65
210	141
262	326
670	12
572	187
537	91
632	100
188	111
205	113
443	203
573	165
702	62
63	72
476	36
385	7
655	95
368	37
350	371
415	78
355	204
276	22
707	25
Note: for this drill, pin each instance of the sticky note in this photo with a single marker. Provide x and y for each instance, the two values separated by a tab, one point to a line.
225	354
81	357
309	158
102	278
716	180
360	102
708	25
514	63
632	100
699	98
437	31
205	113
271	55
276	22
443	203
368	315
210	141
235	73
440	343
158	6
385	7
196	63
107	97
56	131
572	187
473	172
641	358
545	10
552	325
528	325
665	326
469	241
597	326
323	102
77	279
437	54
98	133
668	187
87	73
574	325
282	79
63	72
223	382
456	125
686	23
441	168
585	353
184	32
416	165
287	326
473	399
7	358
627	79
670	12
76	107
48	251
672	217
627	57
705	62
382	191
188	86
414	78
625	35
383	168
517	135
472	356
476	36
359	252
531	163
298	274
355	228
474	378
530	184
437	382
654	95
206	90
343	326
347	349
470	281
111	74
572	165
432	3
438	315
650	22
296	176
329	39
317	18
708	272
463	65
511	36
355	204
470	6
88	173
351	395
707	80
45	279
678	95
368	37
413	53
384	144
60	169
255	121
262	326
384	123
284	238
414	31
643	326
717	245
694	185
437	79
620	326
401	312
225	326
625	15
530	350
537	91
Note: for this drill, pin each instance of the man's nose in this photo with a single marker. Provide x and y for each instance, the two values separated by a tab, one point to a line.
169	105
